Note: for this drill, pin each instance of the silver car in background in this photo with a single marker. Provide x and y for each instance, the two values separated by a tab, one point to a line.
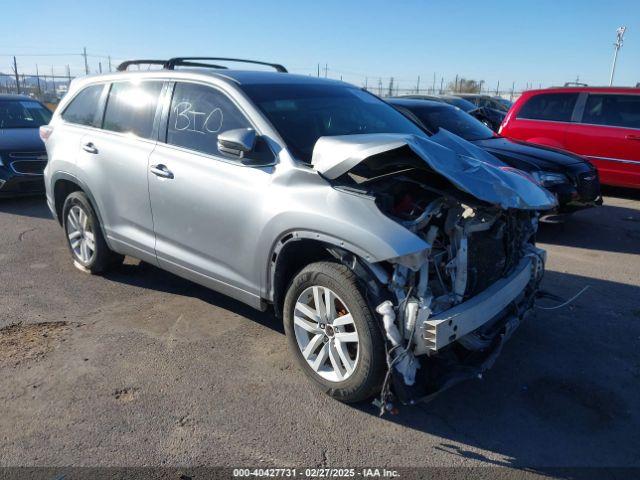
399	261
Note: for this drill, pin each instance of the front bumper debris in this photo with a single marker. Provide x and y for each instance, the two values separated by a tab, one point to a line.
442	329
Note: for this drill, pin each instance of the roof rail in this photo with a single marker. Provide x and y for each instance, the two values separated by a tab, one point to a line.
575	84
124	65
187	61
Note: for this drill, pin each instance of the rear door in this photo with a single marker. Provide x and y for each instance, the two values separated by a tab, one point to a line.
608	133
82	115
543	119
115	162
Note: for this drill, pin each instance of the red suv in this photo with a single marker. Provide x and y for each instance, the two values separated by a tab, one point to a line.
603	124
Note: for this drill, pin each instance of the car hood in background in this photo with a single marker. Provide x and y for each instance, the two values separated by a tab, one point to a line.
20	139
468	167
527	156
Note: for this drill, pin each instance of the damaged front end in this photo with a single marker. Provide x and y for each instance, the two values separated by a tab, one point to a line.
446	310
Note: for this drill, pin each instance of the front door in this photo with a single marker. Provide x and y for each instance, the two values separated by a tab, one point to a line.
206	205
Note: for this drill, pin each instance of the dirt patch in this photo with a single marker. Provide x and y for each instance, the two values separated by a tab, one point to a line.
125	395
30	342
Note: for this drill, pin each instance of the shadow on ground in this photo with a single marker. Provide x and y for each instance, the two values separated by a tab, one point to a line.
610	228
32	206
144	275
563	393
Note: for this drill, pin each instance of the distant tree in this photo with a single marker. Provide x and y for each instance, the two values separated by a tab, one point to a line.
465	86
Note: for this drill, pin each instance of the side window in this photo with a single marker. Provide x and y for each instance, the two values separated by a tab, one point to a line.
612	110
198	114
83	109
131	107
556	107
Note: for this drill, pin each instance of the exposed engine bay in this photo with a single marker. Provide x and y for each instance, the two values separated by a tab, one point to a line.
447	310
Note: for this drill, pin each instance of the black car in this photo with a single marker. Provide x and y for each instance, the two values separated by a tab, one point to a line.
491	117
572	179
22	153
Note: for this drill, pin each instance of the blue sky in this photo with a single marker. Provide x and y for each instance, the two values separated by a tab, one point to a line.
537	42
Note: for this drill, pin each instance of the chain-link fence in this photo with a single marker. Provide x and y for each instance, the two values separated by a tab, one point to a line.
20	74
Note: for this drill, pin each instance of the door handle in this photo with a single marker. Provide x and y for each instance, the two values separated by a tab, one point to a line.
161	171
632	137
89	147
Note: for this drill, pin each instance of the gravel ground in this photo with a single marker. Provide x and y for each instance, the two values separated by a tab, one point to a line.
139	367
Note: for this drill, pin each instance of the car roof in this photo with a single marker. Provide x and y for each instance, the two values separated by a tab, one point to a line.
16	97
239	77
417	102
583	89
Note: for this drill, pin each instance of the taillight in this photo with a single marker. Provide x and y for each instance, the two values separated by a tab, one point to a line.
45	132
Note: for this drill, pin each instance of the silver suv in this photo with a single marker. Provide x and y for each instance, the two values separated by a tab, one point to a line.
398	261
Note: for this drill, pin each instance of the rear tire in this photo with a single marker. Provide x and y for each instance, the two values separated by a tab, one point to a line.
84	235
341	348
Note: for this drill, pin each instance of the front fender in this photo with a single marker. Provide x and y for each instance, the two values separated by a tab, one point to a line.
347	220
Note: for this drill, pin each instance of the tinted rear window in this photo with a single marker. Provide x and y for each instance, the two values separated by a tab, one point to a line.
131	107
549	106
83	108
613	110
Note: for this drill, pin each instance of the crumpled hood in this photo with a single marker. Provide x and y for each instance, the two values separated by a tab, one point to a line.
468	167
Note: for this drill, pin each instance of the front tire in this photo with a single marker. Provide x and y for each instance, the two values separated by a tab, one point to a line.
333	333
84	235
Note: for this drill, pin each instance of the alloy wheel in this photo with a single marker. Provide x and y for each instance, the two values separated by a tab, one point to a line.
80	234
326	333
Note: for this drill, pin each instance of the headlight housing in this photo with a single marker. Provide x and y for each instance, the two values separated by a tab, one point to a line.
548	179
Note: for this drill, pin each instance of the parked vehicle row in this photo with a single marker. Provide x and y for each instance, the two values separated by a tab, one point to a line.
399	261
488	110
572	179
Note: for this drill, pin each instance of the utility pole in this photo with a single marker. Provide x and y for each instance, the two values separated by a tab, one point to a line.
380	87
318	70
326	68
366	83
418	86
53	79
441	84
38	80
86	64
619	39
68	76
498	88
390	92
455	85
100	67
513	89
15	72
433	89
109	57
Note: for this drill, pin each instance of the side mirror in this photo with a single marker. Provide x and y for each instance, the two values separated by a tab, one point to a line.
237	142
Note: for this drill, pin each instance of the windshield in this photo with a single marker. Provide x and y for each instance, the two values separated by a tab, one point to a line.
304	113
23	114
452	119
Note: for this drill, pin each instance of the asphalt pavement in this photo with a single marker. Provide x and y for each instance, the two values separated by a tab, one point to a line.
139	367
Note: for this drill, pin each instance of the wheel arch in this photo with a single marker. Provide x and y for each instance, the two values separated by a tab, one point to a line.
63	185
296	249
